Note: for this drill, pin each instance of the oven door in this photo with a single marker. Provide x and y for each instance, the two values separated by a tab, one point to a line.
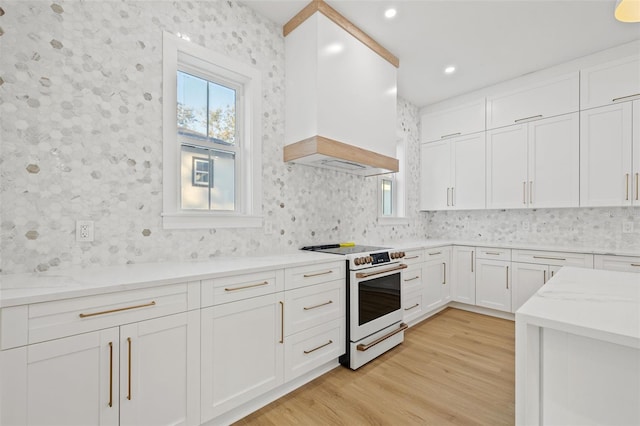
375	299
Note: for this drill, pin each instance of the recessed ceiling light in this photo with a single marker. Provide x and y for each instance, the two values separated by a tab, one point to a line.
450	69
390	13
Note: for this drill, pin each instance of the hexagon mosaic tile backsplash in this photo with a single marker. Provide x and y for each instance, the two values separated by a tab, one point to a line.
81	139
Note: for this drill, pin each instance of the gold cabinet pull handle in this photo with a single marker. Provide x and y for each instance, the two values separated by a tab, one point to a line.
453	198
412	279
371	274
412	307
549	258
524	192
319	347
635	264
551	274
435	253
530	192
317	306
627	181
507	278
637	184
411	257
492	253
129	372
624	97
319	273
527	118
448	197
444	273
110	374
152	303
281	322
544	277
450	135
472	260
362	347
246	286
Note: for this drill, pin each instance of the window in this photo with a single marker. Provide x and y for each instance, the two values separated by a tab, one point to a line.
211	139
391	192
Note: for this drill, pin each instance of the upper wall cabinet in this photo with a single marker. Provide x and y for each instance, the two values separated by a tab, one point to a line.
611	82
457	121
552	97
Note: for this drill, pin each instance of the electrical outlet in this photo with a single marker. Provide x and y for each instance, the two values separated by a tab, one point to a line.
627	227
84	231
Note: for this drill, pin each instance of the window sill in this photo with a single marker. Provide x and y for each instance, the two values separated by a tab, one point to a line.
207	221
393	221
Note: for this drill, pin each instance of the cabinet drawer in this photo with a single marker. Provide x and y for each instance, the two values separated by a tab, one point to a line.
412	278
543	99
239	287
461	120
440	254
311	348
611	82
493	253
617	263
412	257
553	258
52	320
412	305
311	306
314	274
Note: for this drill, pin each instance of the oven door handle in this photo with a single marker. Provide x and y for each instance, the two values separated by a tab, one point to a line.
362	347
371	274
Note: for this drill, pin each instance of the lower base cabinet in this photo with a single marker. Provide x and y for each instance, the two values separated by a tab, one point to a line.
493	284
463	275
121	375
436	275
528	278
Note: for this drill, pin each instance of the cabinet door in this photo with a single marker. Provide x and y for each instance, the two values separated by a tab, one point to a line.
242	353
605	156
607	83
68	381
469	172
459	120
507	167
493	284
527	279
413	305
159	371
554	162
435	176
436	276
463	278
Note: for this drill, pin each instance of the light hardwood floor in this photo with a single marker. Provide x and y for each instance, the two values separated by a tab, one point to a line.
454	368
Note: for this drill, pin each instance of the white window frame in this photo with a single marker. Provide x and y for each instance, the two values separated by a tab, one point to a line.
181	54
398	188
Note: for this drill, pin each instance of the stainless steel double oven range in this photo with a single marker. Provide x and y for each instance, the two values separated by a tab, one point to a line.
374	301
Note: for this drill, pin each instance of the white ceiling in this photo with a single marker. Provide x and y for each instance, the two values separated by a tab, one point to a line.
488	41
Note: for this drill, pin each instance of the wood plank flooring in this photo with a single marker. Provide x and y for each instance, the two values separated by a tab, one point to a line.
454	368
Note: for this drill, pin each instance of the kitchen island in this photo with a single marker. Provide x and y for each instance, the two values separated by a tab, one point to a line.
578	350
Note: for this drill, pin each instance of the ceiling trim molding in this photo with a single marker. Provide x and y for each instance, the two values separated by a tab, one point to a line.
322	7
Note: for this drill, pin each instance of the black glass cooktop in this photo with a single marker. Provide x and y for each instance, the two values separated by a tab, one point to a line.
336	249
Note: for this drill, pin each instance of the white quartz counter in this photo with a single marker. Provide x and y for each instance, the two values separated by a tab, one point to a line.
21	289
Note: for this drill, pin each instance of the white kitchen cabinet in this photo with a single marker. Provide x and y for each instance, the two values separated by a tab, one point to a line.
242	352
453	173
543	99
493	284
437	277
611	82
617	263
606	155
535	164
456	121
463	275
527	278
140	373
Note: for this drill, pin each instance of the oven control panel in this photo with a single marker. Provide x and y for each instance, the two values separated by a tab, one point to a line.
378	258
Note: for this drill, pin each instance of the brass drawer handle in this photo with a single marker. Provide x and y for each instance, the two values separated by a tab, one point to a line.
319	347
411	279
315	275
129	373
110	374
435	253
371	274
362	347
624	97
549	258
492	253
413	307
317	306
411	257
247	286
152	303
527	118
450	135
635	264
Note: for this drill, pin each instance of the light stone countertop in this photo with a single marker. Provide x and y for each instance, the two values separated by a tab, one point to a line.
22	289
603	305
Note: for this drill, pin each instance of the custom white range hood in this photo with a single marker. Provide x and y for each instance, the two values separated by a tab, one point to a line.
340	95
